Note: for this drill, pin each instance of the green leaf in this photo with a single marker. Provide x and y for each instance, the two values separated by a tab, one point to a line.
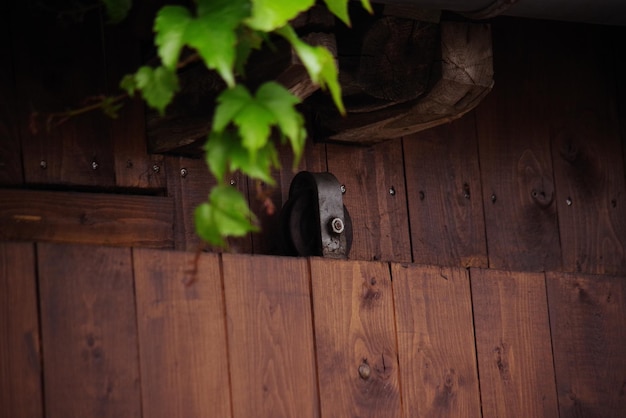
282	104
319	62
157	85
225	153
268	15
170	26
230	102
225	214
367	6
340	9
117	10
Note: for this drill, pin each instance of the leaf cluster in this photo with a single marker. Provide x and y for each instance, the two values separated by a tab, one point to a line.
223	33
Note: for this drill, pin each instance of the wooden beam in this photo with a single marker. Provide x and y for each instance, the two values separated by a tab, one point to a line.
86	218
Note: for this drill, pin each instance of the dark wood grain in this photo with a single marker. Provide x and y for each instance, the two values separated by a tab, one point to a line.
87	218
513	344
355	339
10	146
59	65
134	167
270	335
89	332
435	342
182	335
588	321
587	153
189	183
375	197
445	195
20	356
513	136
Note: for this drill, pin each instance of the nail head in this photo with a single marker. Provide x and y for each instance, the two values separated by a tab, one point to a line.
183	172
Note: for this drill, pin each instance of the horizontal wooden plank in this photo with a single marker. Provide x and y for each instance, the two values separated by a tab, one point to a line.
86	218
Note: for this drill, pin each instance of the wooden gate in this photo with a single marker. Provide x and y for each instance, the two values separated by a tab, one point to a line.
119	332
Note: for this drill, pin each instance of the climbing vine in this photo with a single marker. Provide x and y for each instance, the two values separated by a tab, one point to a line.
223	33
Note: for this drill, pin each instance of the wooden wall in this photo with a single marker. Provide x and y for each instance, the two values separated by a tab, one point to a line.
120	332
532	180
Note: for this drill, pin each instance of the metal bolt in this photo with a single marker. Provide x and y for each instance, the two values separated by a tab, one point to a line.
183	172
337	225
365	371
569	201
343	189
493	198
392	191
156	168
94	165
233	182
43	164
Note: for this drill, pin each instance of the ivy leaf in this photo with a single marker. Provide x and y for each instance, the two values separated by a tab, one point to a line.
268	15
254	116
282	103
319	62
170	26
340	9
225	214
117	10
157	85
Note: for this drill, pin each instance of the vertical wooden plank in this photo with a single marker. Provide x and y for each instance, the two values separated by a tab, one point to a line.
10	150
133	166
270	334
515	161
355	339
587	154
189	183
59	65
375	197
20	358
182	335
435	342
89	332
588	321
513	344
445	195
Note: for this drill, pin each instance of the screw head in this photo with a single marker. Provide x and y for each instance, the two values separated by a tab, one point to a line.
493	198
569	201
343	189
183	172
365	371
43	164
156	168
337	225
392	191
94	165
233	182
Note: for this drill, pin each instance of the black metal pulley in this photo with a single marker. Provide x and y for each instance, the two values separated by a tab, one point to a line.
314	220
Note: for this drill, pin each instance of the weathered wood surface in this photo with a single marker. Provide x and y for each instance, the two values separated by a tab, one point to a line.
466	78
513	344
20	354
435	342
270	335
182	335
355	340
375	198
587	153
513	131
89	332
445	195
58	65
86	218
10	146
587	315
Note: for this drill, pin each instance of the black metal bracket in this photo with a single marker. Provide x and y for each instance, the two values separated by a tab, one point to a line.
314	220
